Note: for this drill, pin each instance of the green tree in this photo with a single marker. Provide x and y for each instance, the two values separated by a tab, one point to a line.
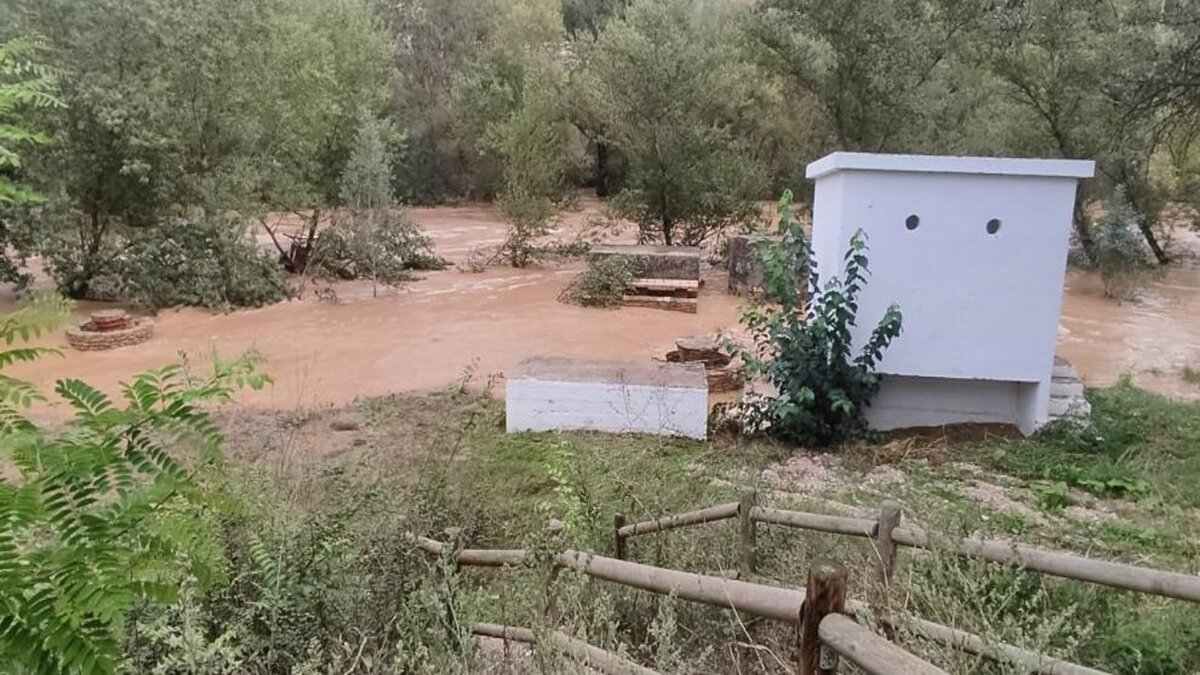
328	62
156	119
532	143
1119	251
523	44
675	96
369	237
184	112
25	85
872	65
434	41
83	538
1076	69
590	16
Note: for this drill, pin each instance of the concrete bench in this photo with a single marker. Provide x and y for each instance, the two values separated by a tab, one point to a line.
655	262
669	399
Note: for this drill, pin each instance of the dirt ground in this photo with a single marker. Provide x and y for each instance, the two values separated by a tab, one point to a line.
453	324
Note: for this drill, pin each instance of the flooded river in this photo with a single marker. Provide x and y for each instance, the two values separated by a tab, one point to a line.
431	332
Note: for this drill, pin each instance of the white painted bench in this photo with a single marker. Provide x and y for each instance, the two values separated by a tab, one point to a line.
669	399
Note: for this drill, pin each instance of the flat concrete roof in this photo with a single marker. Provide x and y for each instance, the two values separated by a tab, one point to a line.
997	166
640	373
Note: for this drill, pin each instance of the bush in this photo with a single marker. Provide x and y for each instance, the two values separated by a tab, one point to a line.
370	239
386	252
208	262
1120	252
803	350
602	284
312	591
88	507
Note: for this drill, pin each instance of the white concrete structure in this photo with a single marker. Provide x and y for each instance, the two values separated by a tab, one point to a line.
974	251
670	399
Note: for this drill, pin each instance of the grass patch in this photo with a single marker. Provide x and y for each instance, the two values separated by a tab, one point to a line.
442	465
1142	446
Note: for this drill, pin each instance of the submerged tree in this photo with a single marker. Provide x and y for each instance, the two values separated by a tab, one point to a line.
370	238
533	145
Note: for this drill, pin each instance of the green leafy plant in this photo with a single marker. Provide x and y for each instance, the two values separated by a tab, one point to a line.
1053	497
1119	251
24	83
602	284
803	348
80	544
204	262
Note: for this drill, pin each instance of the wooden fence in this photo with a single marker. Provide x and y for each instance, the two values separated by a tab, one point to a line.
824	631
887	533
821	611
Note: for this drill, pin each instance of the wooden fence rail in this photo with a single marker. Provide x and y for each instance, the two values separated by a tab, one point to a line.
887	534
708	515
856	643
974	644
870	652
586	654
1068	566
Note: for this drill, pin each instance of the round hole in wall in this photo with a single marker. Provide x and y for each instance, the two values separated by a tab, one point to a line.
912	222
993	226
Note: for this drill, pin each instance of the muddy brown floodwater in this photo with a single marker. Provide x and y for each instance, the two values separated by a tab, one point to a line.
428	333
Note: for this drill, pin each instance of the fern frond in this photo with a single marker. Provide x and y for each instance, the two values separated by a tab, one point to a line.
25	354
18	393
88	402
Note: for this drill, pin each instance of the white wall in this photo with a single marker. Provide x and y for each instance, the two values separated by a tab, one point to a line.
541	405
976	305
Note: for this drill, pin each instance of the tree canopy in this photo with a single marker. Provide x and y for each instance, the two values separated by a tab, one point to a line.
686	112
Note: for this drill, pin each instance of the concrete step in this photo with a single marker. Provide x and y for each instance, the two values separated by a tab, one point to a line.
688	305
1067	400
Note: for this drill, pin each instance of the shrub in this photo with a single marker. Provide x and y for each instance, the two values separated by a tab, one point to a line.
370	239
1120	253
803	349
386	251
602	284
87	531
207	262
319	590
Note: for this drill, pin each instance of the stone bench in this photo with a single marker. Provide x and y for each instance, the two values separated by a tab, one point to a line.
546	394
655	262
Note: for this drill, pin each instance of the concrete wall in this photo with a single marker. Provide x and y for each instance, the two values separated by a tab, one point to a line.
663	399
655	262
904	402
973	250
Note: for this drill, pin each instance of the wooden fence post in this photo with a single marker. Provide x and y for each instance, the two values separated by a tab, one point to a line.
748	535
618	540
554	539
825	594
889	519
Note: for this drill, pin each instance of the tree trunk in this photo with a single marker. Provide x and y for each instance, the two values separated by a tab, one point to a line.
1141	197
601	169
1083	230
1148	232
300	254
